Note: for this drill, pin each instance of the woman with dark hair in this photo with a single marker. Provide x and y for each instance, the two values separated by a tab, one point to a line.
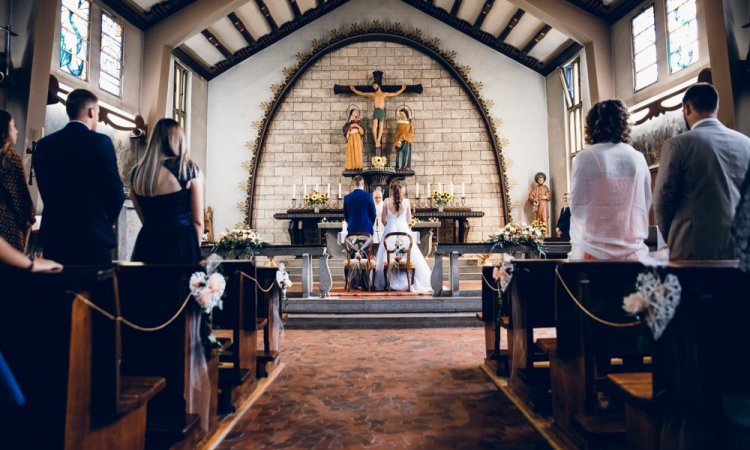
610	189
168	198
397	216
16	208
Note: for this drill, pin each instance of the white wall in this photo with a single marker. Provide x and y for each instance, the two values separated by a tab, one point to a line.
233	98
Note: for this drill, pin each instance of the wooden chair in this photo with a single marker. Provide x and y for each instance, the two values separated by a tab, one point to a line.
393	243
65	357
358	250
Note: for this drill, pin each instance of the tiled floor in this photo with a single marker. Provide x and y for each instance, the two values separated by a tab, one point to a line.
383	389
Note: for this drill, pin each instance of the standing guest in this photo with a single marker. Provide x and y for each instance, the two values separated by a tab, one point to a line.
168	198
16	208
563	221
76	169
698	185
610	190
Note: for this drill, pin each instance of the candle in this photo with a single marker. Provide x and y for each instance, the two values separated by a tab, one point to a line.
429	189
417	190
440	187
316	189
294	191
451	189
305	189
328	190
339	191
463	190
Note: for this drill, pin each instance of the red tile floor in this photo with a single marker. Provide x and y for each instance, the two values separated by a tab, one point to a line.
393	389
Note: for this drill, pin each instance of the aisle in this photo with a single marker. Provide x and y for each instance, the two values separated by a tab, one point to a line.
383	389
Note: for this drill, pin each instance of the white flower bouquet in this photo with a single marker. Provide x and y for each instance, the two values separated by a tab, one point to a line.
518	234
241	239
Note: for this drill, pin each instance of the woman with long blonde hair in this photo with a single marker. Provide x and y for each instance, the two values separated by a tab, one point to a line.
168	197
397	218
16	208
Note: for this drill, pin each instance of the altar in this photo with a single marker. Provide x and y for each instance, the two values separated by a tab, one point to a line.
452	224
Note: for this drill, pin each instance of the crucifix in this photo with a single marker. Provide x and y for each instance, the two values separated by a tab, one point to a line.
378	92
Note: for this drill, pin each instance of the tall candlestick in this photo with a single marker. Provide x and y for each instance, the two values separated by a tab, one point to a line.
417	190
339	191
463	190
328	190
429	189
305	189
451	189
316	189
294	191
440	187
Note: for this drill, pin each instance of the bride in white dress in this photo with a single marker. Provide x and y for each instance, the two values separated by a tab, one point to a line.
396	216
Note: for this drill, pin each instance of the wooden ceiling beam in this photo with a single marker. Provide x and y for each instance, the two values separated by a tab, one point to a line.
537	38
267	14
295	9
483	13
456	6
511	24
241	28
213	40
190	60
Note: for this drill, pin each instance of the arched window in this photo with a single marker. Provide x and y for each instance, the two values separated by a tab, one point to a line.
74	37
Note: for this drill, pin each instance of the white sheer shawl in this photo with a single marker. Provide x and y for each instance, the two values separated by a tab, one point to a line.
610	199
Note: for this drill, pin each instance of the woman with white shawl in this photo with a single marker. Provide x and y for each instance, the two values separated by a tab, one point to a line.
610	192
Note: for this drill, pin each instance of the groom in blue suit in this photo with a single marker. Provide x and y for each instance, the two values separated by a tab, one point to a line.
359	208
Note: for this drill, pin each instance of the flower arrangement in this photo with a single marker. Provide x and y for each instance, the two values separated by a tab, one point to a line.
240	239
378	162
208	287
655	297
536	223
441	198
399	254
517	234
413	221
316	199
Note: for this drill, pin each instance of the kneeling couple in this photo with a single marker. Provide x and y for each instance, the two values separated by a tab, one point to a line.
360	214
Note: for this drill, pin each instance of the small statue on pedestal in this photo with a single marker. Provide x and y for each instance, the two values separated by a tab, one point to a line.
353	132
403	139
538	197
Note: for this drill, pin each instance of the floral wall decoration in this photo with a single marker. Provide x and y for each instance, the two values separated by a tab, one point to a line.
372	31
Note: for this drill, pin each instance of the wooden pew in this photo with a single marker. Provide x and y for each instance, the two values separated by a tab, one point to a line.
65	356
238	323
586	350
532	305
268	358
495	358
696	366
151	295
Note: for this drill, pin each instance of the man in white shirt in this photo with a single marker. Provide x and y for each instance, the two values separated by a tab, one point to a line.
377	196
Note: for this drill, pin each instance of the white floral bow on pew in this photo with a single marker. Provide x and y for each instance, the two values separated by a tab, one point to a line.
504	273
208	287
658	298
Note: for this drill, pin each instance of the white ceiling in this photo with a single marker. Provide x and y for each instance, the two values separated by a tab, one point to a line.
495	22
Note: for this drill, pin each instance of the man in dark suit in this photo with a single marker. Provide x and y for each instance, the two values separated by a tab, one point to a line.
698	184
359	208
563	221
76	169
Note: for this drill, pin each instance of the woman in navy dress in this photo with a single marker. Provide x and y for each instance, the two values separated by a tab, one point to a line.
168	197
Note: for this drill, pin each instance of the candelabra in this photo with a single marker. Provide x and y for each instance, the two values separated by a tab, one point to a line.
300	205
425	203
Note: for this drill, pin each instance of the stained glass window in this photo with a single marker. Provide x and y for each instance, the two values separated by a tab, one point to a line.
644	49
682	34
179	98
74	37
571	79
110	56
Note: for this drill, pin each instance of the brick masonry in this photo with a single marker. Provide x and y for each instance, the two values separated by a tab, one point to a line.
305	143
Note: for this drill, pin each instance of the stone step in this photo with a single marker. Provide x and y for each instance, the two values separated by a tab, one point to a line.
393	305
380	321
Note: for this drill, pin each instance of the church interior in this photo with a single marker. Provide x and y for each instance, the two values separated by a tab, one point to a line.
250	224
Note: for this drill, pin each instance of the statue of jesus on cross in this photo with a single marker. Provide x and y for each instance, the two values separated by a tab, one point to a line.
378	92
